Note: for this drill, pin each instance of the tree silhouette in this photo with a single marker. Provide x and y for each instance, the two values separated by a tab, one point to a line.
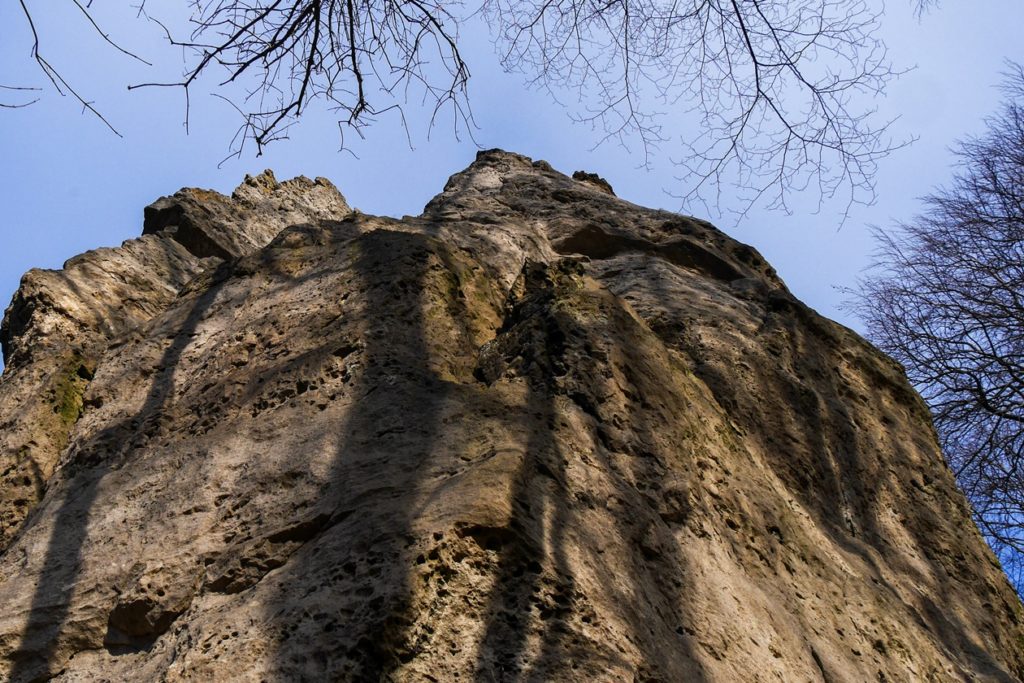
946	299
774	84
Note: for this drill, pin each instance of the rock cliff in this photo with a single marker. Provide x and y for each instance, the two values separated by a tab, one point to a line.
535	433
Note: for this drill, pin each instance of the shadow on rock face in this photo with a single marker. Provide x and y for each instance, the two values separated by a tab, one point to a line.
49	637
541	624
346	614
370	452
403	577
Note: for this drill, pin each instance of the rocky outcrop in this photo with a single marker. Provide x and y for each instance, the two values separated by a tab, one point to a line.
61	322
535	433
210	224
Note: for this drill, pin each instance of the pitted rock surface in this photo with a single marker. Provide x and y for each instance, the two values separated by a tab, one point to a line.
535	433
61	322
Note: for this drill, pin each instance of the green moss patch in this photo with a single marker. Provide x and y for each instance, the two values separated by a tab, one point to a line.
69	390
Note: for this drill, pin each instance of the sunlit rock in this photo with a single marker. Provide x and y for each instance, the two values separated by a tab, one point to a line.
535	433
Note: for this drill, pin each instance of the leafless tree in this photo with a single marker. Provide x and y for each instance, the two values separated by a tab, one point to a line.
780	88
349	53
775	84
946	299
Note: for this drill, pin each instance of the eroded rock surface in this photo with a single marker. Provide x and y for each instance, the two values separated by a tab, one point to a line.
536	433
61	322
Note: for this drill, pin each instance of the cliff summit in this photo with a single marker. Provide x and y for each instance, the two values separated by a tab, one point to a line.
534	433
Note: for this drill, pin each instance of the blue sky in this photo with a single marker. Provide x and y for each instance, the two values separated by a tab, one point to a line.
67	184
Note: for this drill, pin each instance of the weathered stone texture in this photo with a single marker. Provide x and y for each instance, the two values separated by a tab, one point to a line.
61	322
536	433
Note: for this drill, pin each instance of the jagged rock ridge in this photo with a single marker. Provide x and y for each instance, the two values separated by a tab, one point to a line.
536	432
61	322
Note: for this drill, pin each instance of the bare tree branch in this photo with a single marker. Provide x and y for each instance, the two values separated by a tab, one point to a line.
777	85
946	299
106	36
18	105
359	56
54	76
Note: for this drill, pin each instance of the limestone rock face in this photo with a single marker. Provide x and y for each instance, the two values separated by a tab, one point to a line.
210	224
535	433
60	323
